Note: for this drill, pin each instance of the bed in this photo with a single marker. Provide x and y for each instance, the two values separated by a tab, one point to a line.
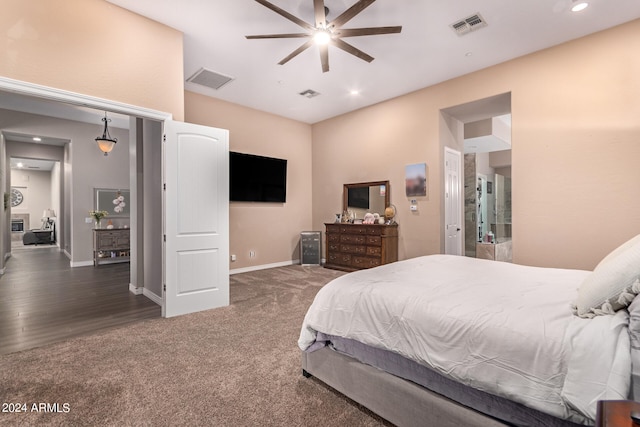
446	340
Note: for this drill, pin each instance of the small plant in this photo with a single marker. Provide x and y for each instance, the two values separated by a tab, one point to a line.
98	215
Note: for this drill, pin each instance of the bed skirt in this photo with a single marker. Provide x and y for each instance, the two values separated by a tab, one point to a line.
427	399
399	401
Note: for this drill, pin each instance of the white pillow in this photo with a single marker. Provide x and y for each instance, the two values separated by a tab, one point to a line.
613	284
623	247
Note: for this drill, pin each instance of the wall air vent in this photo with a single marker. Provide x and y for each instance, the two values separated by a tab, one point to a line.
309	93
469	24
209	78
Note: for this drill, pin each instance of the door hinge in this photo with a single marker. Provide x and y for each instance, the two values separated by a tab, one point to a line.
164	238
164	138
164	287
164	187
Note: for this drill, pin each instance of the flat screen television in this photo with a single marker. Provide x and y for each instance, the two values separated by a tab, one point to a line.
257	179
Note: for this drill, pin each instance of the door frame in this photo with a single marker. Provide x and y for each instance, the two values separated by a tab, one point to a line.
60	95
73	98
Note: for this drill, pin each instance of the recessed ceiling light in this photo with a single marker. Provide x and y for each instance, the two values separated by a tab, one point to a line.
36	139
468	54
20	165
355	92
579	6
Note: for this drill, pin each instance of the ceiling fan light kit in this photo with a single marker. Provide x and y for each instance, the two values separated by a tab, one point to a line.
326	33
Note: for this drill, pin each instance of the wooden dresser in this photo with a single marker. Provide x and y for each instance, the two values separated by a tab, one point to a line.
111	246
616	413
353	247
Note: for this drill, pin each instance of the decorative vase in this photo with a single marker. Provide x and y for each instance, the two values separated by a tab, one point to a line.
98	225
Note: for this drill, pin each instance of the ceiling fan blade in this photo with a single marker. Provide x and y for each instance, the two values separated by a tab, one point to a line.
296	52
324	57
339	43
350	13
286	14
354	32
279	36
318	8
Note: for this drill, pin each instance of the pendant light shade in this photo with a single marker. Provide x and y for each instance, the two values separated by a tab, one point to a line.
106	142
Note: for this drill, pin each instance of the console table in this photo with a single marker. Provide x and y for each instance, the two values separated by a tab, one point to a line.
358	246
111	245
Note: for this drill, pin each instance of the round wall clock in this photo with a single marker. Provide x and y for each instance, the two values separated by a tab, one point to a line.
16	197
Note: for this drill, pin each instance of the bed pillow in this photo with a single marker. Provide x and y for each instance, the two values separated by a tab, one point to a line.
613	284
623	247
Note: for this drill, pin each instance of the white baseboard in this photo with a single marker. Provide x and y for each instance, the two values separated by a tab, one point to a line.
67	253
153	297
80	263
263	266
147	293
135	290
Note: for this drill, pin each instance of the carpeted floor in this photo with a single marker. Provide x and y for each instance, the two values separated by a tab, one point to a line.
233	366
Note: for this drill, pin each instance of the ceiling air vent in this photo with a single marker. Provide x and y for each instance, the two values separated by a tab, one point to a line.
472	23
309	93
209	78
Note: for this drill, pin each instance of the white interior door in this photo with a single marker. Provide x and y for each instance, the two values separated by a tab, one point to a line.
453	202
196	209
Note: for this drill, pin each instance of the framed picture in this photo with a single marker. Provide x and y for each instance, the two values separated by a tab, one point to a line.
416	180
115	202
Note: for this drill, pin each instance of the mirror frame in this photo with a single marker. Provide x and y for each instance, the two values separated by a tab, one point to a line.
346	187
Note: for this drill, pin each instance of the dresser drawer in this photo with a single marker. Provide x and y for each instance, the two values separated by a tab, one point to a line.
340	258
353	249
374	240
353	238
334	247
333	238
365	262
374	250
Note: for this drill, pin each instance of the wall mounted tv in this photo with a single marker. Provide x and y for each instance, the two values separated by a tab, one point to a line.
257	179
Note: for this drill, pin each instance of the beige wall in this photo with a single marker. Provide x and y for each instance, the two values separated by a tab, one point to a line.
94	48
576	146
272	230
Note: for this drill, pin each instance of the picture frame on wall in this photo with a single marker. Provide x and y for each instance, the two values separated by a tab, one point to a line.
115	201
416	180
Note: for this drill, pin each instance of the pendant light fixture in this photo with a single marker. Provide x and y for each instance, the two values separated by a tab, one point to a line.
106	142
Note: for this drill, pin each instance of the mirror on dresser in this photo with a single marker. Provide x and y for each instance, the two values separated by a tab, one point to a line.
354	246
363	197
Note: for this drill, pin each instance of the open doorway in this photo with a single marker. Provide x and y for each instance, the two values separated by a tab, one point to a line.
482	131
55	292
35	202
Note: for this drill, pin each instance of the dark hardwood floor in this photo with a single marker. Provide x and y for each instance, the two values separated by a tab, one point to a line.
43	300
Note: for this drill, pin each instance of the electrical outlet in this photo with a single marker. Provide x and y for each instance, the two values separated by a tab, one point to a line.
233	257
414	208
252	254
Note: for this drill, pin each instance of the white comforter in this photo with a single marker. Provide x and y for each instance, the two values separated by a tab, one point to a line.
503	328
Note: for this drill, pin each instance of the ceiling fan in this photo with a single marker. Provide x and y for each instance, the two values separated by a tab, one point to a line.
325	33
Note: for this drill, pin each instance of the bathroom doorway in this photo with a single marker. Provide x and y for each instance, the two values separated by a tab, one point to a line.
482	131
